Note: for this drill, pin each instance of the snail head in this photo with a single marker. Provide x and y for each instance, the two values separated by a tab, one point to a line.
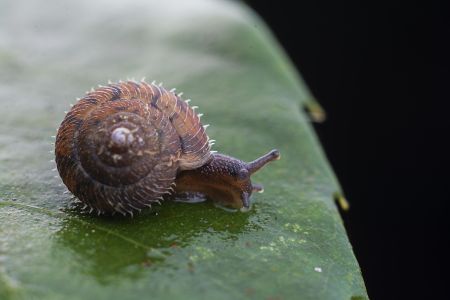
242	178
226	179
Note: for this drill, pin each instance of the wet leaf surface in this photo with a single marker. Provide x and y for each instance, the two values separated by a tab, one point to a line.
290	245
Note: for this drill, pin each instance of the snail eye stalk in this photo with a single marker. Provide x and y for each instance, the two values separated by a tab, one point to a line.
263	160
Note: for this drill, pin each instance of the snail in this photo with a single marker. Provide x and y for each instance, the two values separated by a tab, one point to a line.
127	145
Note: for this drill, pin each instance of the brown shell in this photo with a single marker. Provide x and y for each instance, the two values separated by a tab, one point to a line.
120	147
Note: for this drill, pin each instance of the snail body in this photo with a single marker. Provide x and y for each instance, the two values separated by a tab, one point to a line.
125	146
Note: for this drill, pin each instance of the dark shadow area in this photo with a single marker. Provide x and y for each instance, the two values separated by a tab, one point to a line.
363	61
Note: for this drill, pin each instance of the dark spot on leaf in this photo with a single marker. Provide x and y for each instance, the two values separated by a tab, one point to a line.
147	263
358	298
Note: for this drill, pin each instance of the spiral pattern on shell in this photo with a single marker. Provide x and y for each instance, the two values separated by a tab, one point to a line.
120	147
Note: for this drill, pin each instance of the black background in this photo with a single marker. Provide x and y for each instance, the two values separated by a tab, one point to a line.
370	66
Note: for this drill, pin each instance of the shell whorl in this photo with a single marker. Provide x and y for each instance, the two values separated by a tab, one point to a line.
120	147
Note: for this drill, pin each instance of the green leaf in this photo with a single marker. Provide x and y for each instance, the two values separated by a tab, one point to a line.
290	245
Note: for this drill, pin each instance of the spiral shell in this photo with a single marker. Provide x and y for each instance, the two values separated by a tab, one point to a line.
120	147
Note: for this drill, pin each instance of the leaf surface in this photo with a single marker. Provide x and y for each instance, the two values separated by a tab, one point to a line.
290	245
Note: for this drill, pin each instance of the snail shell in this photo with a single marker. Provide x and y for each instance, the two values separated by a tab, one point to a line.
123	146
